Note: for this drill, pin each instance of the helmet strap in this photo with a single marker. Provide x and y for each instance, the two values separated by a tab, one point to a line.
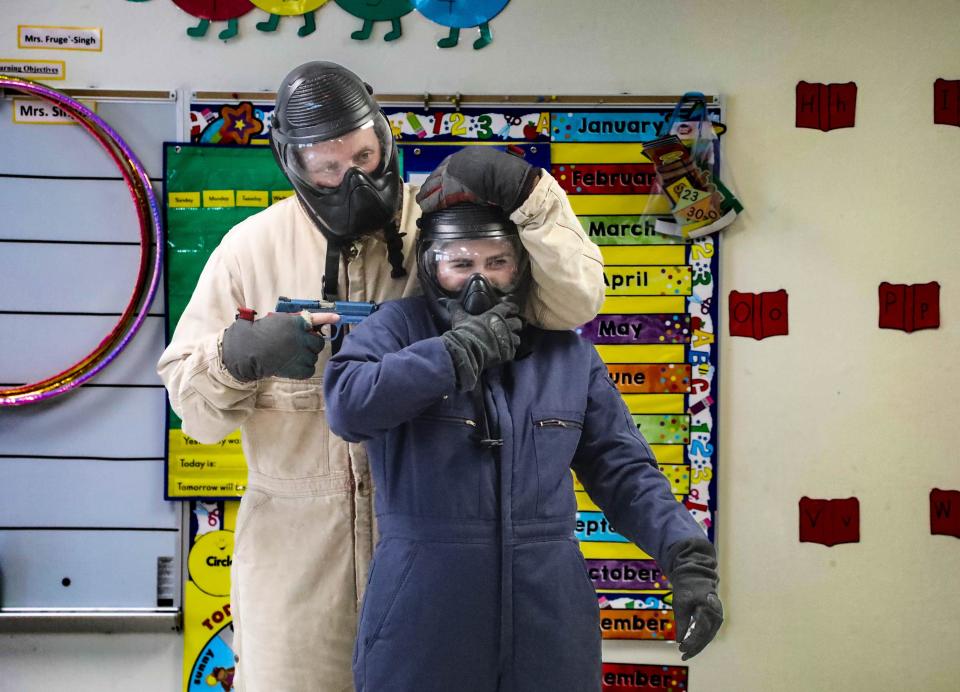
394	240
331	275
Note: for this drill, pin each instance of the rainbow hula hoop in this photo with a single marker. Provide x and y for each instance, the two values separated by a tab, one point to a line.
151	250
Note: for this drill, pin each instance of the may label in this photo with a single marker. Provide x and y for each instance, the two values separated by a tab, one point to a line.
638	329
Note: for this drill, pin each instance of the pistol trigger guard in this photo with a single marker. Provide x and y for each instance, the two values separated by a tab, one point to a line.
334	331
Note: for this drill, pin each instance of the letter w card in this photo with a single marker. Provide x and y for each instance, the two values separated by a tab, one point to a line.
945	512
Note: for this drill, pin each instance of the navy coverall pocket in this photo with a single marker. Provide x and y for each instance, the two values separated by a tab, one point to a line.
429	626
391	569
448	431
556	434
557	648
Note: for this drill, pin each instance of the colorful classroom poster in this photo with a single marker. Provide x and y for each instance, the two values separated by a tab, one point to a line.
656	331
208	190
208	657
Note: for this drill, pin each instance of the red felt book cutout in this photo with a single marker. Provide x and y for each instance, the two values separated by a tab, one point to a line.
909	307
829	522
946	102
945	512
758	315
826	106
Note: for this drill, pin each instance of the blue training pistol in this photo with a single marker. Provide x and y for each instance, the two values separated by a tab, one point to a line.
350	311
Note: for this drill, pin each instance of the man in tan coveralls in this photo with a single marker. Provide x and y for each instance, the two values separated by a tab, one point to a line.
304	533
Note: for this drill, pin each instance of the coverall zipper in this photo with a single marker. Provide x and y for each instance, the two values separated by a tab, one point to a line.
453	419
351	255
558	423
503	460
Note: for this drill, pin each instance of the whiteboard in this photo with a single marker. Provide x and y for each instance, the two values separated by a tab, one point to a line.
85	535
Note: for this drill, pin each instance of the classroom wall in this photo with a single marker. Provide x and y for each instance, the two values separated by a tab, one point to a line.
838	408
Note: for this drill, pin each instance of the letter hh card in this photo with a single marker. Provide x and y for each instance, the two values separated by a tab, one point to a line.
826	106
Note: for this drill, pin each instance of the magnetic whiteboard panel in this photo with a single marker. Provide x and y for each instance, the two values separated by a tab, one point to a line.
74	210
106	569
101	422
84	493
70	150
69	278
87	465
34	347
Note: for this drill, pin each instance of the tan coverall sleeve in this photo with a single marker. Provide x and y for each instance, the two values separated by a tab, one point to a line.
567	266
209	400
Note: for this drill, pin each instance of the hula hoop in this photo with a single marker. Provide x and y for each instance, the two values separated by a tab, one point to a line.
151	250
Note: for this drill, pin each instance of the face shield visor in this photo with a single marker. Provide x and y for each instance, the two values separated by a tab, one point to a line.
336	147
324	165
349	184
472	253
451	263
477	272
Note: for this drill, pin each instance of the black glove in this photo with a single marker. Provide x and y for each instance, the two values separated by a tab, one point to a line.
481	175
478	342
280	344
692	569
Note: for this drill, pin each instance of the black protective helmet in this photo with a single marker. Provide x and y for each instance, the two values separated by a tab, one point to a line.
335	145
471	253
322	103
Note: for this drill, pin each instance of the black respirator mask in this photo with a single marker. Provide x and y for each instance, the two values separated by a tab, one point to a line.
336	147
473	254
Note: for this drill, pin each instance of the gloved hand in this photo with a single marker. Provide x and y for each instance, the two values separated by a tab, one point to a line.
480	175
280	344
692	569
478	342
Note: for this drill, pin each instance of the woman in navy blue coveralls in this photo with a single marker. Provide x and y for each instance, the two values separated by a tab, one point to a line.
478	584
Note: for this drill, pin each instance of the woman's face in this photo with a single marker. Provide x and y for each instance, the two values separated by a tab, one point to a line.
494	258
